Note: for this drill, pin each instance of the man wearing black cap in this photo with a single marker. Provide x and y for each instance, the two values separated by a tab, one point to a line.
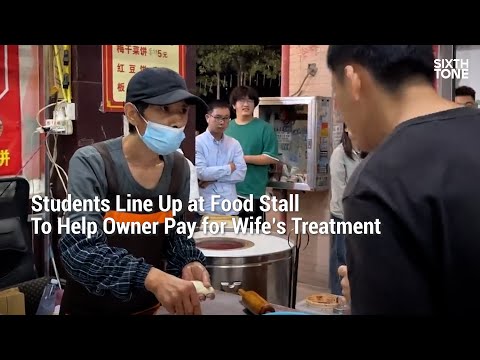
131	273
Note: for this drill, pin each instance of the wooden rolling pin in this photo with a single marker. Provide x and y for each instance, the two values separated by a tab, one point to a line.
255	303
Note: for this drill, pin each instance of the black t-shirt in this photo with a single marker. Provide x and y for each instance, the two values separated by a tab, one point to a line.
423	184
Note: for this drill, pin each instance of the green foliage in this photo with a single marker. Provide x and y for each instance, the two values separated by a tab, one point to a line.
246	61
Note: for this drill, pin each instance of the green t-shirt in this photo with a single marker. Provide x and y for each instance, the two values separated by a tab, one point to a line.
257	137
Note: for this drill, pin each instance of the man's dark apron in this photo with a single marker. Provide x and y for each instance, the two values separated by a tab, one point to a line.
76	299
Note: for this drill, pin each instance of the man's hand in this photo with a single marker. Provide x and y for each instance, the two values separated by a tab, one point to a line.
178	296
196	271
204	184
343	272
232	167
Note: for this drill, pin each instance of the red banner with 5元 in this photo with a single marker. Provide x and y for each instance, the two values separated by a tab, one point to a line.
10	112
121	62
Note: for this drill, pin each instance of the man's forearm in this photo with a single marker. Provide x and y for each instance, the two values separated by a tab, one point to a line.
101	268
182	251
262	159
212	173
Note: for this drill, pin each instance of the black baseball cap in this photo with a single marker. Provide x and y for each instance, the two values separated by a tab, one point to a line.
160	86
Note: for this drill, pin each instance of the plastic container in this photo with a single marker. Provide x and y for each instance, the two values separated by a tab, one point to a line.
323	302
302	306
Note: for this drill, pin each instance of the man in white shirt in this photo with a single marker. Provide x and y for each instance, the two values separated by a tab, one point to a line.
219	161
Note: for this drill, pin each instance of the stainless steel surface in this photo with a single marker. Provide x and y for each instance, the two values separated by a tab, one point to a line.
267	274
319	147
223	304
269	278
231	287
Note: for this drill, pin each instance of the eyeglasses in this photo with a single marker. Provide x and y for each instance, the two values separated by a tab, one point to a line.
220	118
246	101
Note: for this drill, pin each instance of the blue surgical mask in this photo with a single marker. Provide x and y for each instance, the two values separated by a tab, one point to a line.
161	139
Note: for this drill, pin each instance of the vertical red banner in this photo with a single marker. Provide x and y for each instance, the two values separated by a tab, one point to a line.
10	112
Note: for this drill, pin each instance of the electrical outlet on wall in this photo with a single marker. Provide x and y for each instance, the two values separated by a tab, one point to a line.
312	69
70	111
49	123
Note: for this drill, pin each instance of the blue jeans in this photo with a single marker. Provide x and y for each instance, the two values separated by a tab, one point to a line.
337	258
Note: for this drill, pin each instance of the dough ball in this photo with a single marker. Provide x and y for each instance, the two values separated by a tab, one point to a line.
201	289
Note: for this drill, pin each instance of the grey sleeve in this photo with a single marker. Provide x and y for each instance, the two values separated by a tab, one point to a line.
87	180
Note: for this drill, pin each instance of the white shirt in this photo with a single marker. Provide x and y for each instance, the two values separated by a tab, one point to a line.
212	159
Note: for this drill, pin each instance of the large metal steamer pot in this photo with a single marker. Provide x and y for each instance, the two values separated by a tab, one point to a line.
262	263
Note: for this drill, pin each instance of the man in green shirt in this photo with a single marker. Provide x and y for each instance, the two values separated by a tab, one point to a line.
259	144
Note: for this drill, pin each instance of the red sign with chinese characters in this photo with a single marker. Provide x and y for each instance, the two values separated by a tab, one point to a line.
121	62
10	112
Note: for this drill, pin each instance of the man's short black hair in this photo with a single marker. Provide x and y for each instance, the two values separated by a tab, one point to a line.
465	91
390	65
217	104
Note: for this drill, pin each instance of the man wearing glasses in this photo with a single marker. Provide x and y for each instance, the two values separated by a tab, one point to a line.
219	162
259	143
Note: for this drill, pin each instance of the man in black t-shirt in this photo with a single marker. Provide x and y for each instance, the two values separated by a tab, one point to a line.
421	180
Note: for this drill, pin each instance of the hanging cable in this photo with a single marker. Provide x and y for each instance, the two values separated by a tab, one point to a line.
301	86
